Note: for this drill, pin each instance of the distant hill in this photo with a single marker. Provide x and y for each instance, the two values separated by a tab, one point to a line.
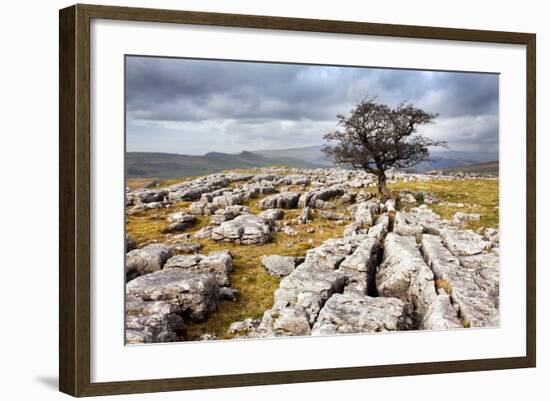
170	165
482	168
443	159
309	154
440	159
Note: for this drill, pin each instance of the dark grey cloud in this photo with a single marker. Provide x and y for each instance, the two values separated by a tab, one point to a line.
196	106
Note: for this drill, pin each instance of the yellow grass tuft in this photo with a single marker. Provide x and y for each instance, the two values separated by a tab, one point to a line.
448	287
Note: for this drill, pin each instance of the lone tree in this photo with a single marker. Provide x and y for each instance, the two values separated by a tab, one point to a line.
375	137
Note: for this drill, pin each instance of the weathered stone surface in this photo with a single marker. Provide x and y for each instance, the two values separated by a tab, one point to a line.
381	227
330	253
364	213
264	188
472	281
324	194
272	215
363	196
192	190
200	208
348	197
195	294
179	217
205	232
243	327
220	264
407	197
308	289
460	218
279	265
441	315
403	274
332	215
141	207
420	220
152	321
283	200
290	321
391	205
244	229
293	179
146	260
179	221
360	267
492	235
186	247
151	195
228	198
227	213
353	312
354	229
464	242
306	216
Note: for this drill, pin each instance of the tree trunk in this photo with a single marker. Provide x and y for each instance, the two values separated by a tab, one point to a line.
382	189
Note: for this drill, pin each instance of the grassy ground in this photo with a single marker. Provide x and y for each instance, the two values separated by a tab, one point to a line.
477	196
147	226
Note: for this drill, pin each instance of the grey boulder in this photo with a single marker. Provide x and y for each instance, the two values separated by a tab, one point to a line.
278	265
146	260
353	312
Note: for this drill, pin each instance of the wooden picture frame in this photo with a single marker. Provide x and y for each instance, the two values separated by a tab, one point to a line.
74	202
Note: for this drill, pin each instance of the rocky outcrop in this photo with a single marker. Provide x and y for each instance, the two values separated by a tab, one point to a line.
353	312
464	242
364	213
419	220
244	229
441	315
359	268
182	247
470	281
272	215
152	321
278	265
194	295
179	221
220	264
306	216
381	227
322	194
227	213
404	274
460	218
283	200
146	260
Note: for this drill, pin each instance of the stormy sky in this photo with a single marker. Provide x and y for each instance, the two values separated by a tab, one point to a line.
197	106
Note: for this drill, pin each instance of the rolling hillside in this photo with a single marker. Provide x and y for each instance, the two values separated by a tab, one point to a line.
170	165
482	168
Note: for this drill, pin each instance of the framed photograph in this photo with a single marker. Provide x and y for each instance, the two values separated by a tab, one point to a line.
250	200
